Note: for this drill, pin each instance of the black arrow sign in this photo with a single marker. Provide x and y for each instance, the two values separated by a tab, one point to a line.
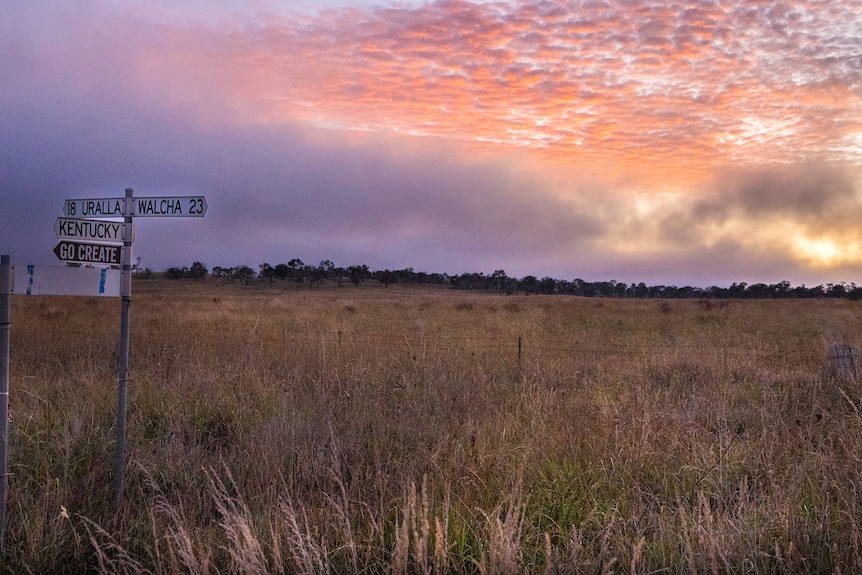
88	253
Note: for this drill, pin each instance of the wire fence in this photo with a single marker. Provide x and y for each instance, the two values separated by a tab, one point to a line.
537	350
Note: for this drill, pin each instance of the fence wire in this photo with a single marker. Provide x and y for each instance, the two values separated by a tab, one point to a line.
536	349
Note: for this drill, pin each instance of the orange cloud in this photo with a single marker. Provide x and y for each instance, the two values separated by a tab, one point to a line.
637	87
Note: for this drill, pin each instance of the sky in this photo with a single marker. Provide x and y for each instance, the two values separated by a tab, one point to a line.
674	142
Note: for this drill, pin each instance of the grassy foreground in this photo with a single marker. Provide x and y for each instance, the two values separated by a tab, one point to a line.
372	430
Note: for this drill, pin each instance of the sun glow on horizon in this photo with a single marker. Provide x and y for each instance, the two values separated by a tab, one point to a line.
826	252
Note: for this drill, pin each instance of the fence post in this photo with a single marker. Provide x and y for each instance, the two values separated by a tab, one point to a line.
843	361
5	328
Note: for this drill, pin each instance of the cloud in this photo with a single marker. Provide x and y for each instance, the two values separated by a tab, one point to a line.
628	140
625	85
816	195
783	217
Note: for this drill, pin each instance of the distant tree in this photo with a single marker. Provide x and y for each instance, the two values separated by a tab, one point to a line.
405	276
358	274
588	289
327	268
656	291
688	292
198	271
500	279
669	292
320	273
716	292
836	290
438	279
757	291
297	268
737	290
781	289
243	273
548	285
295	264
176	273
469	281
605	289
267	272
575	287
340	275
386	277
282	271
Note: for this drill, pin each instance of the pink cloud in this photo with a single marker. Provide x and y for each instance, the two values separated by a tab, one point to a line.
641	95
456	67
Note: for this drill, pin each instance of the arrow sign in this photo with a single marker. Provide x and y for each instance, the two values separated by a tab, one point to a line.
157	206
88	253
100	230
95	208
170	206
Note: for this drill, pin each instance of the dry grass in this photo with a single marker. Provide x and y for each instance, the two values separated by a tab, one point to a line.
371	430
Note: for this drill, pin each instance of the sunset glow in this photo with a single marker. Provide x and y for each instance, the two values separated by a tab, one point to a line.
819	252
826	252
695	132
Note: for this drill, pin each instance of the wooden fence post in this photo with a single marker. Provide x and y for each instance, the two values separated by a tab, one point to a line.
843	361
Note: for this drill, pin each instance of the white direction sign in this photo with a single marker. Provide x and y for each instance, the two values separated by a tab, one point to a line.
157	206
99	230
170	206
95	208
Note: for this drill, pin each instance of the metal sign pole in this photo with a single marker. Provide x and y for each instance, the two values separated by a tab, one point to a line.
123	367
5	327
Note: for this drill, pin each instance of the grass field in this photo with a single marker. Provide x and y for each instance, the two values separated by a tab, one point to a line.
372	430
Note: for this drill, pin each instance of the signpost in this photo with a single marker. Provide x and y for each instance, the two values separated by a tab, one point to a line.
88	253
128	208
97	230
97	208
157	206
177	206
109	220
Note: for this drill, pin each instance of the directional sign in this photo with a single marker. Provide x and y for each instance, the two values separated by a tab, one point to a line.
175	206
88	253
157	206
100	230
95	208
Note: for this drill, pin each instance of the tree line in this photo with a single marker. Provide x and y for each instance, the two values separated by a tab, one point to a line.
297	272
